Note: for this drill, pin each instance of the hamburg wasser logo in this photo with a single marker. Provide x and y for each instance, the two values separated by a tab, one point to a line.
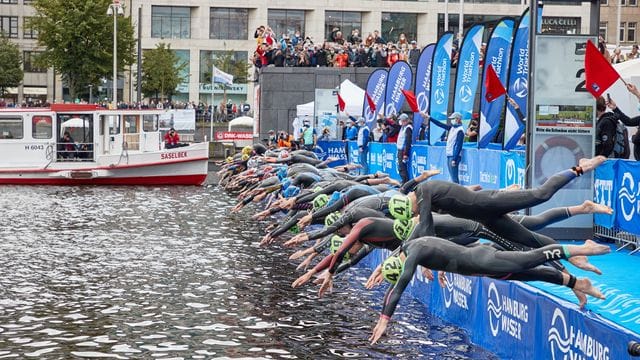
510	173
628	196
505	314
567	343
457	291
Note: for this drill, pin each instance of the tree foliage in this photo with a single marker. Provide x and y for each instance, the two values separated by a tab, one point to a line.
161	69
11	73
78	39
227	62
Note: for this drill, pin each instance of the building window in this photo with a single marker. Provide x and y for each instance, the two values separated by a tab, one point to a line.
490	21
28	32
28	61
602	31
11	128
629	2
631	32
207	60
9	26
286	22
8	1
394	24
560	25
604	2
171	22
229	24
621	34
343	21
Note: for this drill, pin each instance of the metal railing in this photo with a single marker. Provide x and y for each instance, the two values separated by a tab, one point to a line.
623	238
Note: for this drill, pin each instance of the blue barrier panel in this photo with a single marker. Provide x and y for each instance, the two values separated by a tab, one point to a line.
604	187
627	184
512	165
375	157
489	168
436	159
390	160
353	152
418	160
334	149
468	169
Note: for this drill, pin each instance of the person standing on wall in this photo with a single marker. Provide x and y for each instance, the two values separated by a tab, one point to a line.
403	144
363	145
455	139
309	135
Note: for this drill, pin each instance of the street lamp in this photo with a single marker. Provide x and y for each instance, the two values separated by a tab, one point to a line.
114	10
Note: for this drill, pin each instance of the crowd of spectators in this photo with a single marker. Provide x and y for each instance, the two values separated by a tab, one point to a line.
618	55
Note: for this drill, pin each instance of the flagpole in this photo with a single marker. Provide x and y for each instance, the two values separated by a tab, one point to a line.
212	104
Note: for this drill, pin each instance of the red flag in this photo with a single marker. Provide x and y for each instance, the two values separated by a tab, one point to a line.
341	103
493	85
372	105
598	72
411	100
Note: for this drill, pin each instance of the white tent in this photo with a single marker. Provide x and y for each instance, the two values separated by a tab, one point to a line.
353	97
303	110
75	123
627	102
242	121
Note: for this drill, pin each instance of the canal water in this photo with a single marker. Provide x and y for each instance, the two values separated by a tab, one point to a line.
169	273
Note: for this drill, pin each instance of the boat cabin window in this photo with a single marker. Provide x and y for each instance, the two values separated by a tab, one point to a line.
75	142
150	122
41	127
114	124
11	127
131	124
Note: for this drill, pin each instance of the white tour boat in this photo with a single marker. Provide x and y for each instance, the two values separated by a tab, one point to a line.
107	147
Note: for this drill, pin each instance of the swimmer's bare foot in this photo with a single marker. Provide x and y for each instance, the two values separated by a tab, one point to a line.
584	285
476	187
581	262
512	187
582	298
589	248
590	164
590	207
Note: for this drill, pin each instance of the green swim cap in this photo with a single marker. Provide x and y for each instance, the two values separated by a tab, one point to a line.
392	268
336	242
320	201
295	229
317	188
403	228
331	218
400	207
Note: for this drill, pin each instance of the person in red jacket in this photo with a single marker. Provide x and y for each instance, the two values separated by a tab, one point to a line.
171	139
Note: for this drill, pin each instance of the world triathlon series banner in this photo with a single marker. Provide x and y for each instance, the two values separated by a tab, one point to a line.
518	88
333	149
617	185
501	316
400	77
497	55
422	88
440	83
376	91
467	77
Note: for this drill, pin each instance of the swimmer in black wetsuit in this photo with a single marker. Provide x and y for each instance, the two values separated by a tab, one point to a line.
439	254
488	207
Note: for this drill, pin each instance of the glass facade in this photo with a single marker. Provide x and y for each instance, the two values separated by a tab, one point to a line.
182	91
394	24
27	31
490	22
344	21
170	22
286	22
560	25
28	61
229	24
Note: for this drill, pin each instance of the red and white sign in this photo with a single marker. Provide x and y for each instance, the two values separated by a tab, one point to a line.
233	135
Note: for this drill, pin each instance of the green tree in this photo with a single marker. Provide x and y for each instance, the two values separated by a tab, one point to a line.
161	69
11	73
227	62
78	39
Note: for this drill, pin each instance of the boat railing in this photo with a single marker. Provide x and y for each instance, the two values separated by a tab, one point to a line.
75	152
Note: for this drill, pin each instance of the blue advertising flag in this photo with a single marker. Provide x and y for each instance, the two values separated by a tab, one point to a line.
440	83
605	187
376	90
627	205
497	55
518	84
400	77
422	89
467	78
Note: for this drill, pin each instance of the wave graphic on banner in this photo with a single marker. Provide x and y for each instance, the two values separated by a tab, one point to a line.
376	85
467	77
518	88
440	83
422	87
497	54
400	77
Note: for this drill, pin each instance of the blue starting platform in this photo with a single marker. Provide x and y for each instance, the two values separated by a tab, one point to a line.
536	320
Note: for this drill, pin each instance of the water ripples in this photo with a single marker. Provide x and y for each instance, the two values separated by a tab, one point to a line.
167	272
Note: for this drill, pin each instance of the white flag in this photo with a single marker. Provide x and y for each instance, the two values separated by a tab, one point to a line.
222	77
